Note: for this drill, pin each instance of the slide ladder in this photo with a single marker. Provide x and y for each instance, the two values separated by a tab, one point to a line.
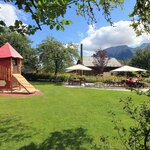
24	83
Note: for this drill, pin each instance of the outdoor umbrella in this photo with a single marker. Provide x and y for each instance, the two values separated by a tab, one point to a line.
78	67
128	69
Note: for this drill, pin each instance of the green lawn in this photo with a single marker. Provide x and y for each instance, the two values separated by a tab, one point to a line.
69	117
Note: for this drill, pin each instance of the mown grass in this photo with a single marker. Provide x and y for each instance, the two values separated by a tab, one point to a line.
61	118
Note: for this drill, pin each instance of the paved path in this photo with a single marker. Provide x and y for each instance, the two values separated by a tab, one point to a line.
105	88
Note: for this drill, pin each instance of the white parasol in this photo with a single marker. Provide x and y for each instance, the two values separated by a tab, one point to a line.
78	67
128	69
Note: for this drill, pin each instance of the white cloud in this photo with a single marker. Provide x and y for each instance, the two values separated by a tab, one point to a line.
88	53
104	37
81	35
8	13
21	15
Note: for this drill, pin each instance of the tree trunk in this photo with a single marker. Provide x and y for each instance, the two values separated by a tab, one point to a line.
56	71
146	140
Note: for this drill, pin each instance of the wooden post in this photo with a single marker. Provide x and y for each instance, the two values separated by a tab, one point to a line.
81	59
11	72
19	65
81	54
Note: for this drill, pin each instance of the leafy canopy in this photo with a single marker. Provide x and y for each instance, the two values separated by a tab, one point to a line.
23	45
52	13
137	136
55	57
141	59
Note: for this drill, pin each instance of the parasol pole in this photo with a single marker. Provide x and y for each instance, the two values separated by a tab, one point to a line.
81	55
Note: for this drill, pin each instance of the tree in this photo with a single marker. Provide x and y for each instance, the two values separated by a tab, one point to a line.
54	56
140	16
23	45
141	59
100	60
52	13
137	137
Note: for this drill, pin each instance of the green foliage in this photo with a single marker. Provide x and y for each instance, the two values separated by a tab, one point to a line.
145	74
104	79
50	56
55	57
140	16
137	136
45	77
139	133
52	13
22	28
141	59
23	45
2	26
147	79
91	79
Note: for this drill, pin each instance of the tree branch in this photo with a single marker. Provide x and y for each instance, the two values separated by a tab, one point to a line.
146	139
37	21
32	1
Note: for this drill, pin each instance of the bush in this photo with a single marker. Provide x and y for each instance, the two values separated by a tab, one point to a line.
89	79
147	80
37	77
46	77
103	79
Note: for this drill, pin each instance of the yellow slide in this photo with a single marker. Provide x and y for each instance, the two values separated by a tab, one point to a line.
24	83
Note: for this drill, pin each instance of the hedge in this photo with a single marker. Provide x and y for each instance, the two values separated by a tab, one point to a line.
46	77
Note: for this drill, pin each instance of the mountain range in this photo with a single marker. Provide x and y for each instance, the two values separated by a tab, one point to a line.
124	52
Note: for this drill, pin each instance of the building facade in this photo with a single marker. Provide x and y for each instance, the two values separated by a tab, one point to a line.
111	63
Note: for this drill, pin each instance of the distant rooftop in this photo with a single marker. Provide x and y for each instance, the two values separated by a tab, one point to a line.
7	51
112	62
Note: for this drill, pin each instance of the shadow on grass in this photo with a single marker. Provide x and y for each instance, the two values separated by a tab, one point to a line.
73	139
40	83
58	83
48	83
13	129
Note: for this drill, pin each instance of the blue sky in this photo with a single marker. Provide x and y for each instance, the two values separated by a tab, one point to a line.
98	36
75	31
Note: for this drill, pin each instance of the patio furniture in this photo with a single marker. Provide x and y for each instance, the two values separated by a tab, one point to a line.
76	81
134	84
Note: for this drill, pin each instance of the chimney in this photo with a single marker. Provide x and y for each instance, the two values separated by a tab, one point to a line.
81	54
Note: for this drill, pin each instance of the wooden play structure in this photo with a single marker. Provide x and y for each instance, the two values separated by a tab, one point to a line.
10	71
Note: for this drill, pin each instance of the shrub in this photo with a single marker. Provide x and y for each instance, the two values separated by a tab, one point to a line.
46	77
147	80
103	79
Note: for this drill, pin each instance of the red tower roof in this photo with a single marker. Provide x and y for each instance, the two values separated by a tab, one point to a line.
7	51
